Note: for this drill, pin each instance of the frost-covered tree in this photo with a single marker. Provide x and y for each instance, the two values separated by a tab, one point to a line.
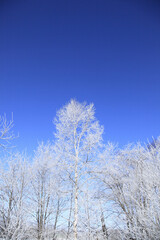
5	131
45	196
13	196
131	187
78	137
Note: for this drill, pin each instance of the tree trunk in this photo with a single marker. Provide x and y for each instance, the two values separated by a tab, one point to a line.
76	200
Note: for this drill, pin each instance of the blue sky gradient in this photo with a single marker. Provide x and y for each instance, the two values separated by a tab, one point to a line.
106	52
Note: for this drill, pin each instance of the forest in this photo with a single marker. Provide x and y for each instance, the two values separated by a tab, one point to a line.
76	186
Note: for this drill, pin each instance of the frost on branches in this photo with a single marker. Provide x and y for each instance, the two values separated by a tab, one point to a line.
131	185
79	136
5	131
78	187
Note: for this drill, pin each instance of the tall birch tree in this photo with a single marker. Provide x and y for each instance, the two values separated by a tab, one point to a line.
78	137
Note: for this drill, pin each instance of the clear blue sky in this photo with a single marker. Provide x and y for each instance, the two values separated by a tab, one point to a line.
106	52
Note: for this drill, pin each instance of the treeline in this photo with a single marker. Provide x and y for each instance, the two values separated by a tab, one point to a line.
77	187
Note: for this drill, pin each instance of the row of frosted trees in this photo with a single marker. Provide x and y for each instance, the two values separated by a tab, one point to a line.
77	187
